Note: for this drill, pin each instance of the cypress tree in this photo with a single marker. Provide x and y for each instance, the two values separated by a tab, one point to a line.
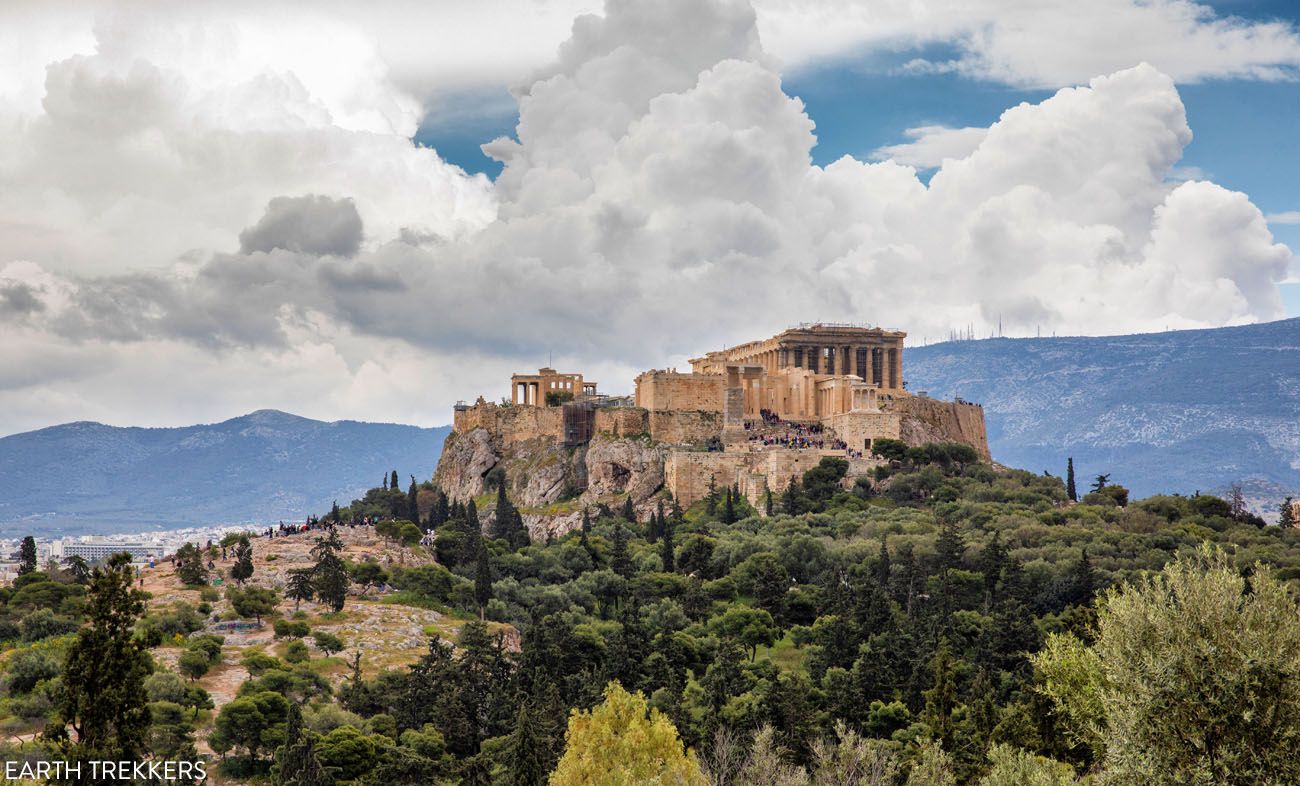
1286	514
585	532
711	499
882	563
629	511
483	581
392	485
1071	490
620	559
729	508
412	504
385	481
792	500
27	556
767	501
666	549
296	763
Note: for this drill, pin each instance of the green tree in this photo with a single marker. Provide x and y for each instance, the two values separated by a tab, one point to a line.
941	698
412	503
193	663
751	627
483	581
299	586
296	762
1016	767
27	556
728	508
1071	490
242	570
528	756
620	559
629	512
392	484
1192	678
104	702
189	566
666	546
328	642
78	568
1286	514
330	574
255	602
932	766
622	741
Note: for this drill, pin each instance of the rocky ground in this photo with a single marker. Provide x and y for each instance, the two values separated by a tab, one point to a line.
386	634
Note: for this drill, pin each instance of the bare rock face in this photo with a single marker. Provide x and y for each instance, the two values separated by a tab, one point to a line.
466	459
619	466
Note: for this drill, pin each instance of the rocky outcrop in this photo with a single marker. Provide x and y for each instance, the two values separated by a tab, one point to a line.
542	474
624	466
466	459
930	420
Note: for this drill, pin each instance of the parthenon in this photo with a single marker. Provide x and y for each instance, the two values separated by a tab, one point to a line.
809	372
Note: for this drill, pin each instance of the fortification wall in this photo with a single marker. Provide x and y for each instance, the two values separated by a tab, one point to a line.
669	390
622	421
511	424
684	428
859	429
930	420
687	473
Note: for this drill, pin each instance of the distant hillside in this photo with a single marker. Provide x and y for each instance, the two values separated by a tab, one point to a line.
1180	411
262	467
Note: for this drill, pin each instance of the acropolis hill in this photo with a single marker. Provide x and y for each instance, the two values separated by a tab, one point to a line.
752	416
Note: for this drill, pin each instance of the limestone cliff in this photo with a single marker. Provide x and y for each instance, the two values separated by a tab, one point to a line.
930	420
551	483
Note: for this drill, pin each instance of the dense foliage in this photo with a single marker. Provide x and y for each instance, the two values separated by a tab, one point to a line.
944	622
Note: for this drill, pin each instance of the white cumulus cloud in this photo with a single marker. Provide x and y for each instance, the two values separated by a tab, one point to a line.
658	199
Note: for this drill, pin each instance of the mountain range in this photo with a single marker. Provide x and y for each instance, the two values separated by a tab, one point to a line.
1164	412
267	466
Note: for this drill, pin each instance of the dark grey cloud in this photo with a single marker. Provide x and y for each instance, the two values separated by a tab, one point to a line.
310	224
19	299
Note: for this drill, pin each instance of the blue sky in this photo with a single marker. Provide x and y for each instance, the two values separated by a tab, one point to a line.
1246	133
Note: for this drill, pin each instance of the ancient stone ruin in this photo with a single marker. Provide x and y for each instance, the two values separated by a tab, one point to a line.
751	416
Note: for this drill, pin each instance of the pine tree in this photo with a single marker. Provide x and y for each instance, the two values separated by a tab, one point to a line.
527	754
629	511
620	559
242	570
330	574
104	700
666	549
1286	514
27	556
189	566
299	586
1070	489
483	581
